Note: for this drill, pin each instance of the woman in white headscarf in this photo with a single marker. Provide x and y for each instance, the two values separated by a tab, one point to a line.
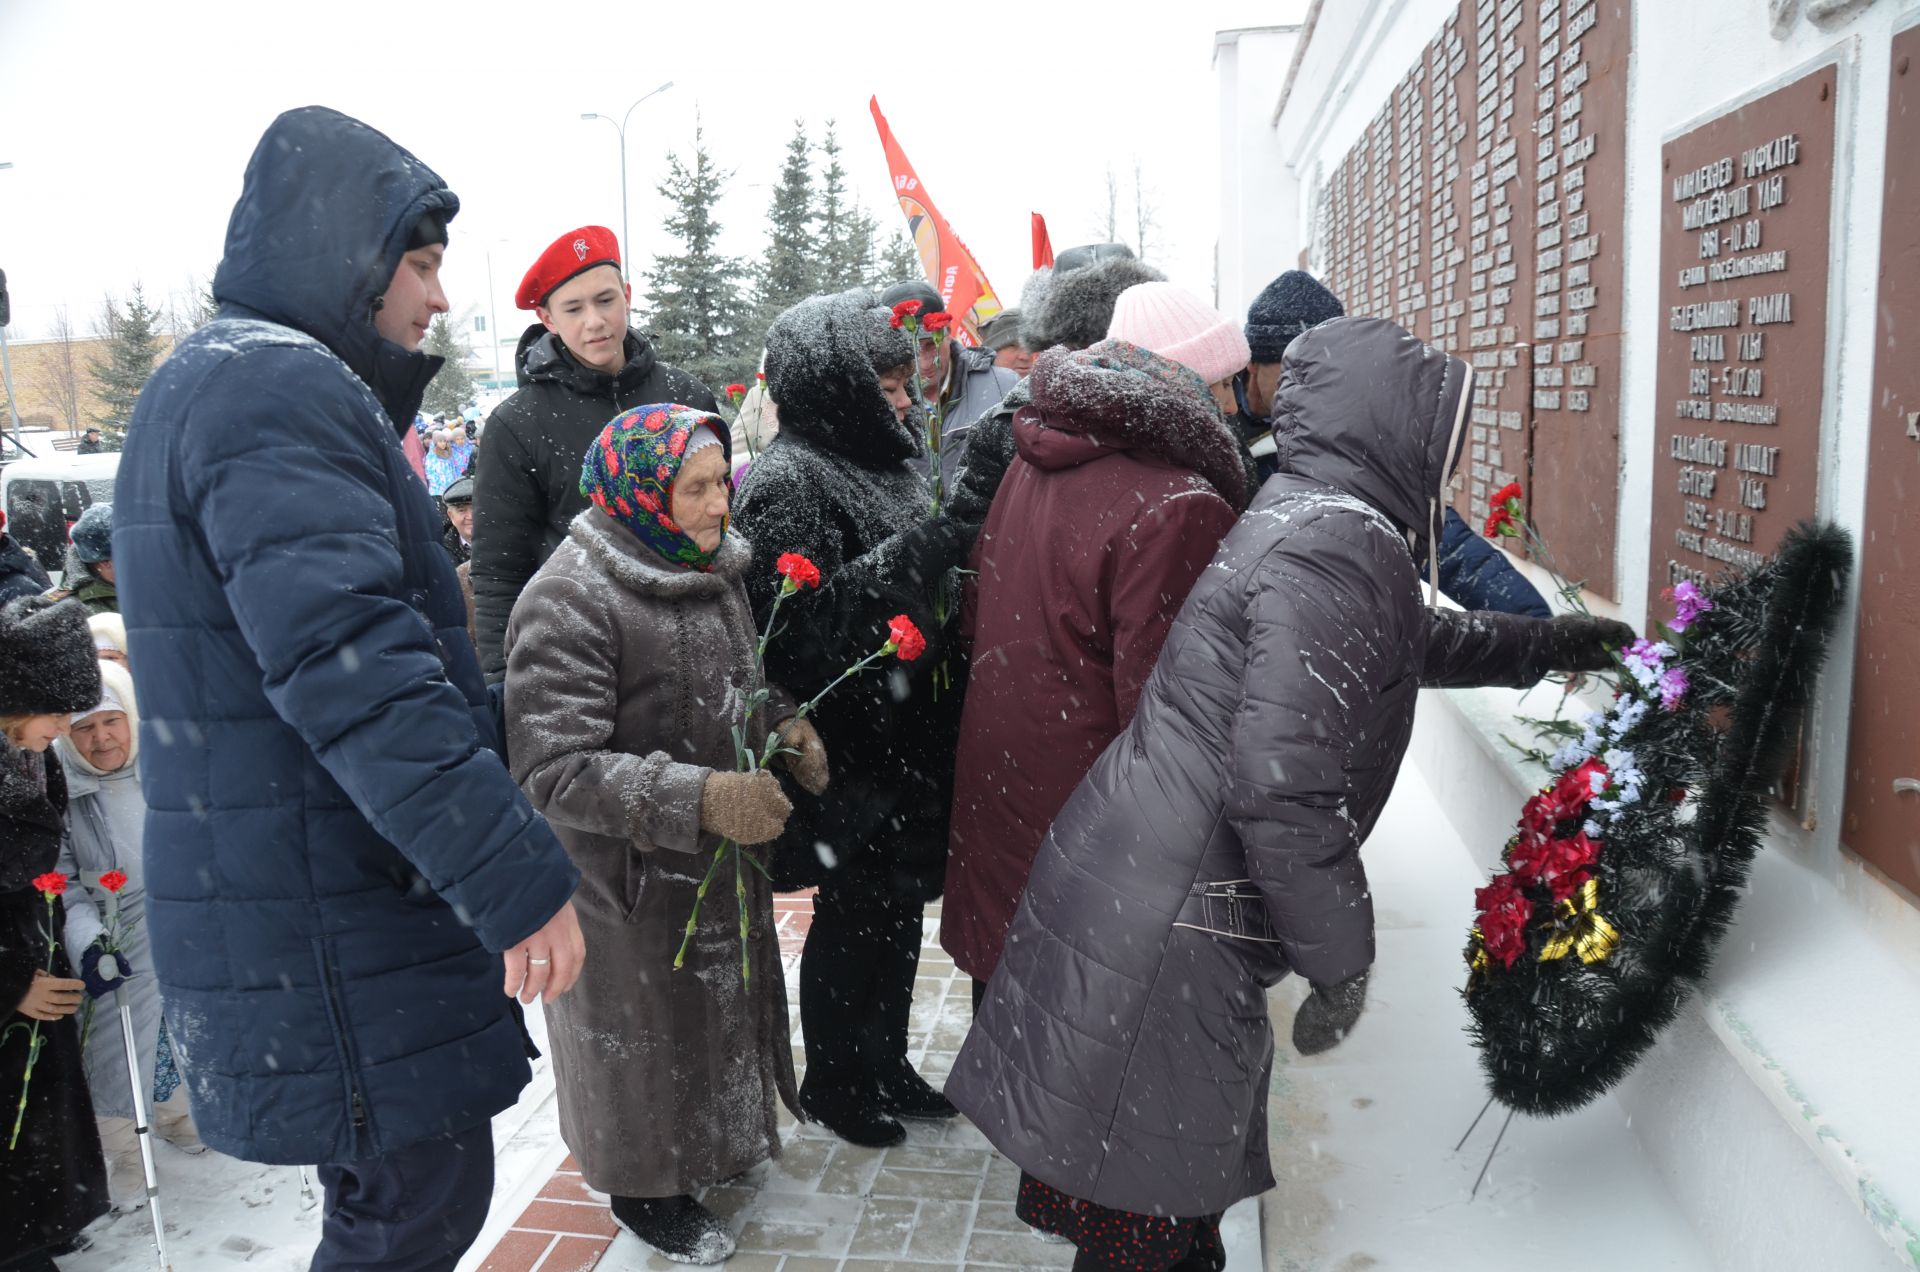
106	815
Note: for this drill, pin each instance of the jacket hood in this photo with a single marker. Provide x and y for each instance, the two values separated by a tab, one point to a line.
116	694
1118	396
325	212
544	359
1366	408
822	360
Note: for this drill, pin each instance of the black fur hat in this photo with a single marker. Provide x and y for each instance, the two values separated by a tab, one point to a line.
47	661
1078	305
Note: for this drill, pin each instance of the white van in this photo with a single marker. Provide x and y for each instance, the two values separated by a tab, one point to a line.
44	496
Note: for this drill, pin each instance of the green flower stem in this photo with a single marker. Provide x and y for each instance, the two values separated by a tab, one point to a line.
34	1040
719	855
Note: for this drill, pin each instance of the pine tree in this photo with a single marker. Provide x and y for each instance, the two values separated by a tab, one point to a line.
133	347
451	387
697	317
790	272
900	261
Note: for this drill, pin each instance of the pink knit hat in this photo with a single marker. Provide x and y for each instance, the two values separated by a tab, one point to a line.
1174	323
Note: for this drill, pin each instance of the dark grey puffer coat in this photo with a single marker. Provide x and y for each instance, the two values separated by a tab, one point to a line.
1123	1051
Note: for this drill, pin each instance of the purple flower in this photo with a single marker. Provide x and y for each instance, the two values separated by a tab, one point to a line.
1673	687
1689	603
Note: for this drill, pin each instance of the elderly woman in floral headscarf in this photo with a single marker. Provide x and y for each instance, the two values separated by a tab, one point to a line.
629	658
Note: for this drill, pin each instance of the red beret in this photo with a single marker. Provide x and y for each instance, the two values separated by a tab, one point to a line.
574	252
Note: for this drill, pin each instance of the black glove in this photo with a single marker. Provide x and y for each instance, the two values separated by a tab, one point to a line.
103	972
1582	642
1328	1015
931	548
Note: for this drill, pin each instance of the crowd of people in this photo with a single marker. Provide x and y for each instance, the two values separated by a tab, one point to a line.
374	769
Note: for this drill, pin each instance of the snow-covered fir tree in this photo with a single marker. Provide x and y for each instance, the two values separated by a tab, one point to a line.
452	387
696	314
132	333
791	269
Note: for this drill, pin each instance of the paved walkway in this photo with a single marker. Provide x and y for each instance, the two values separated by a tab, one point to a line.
941	1201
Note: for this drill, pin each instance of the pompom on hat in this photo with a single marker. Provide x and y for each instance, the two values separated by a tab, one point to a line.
47	660
567	257
1174	323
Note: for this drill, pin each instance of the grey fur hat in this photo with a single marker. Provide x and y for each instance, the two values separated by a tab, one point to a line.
93	534
1078	305
47	661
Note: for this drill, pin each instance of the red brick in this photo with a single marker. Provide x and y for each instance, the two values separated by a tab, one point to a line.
572	1163
518	1252
568	1217
567	1185
575	1254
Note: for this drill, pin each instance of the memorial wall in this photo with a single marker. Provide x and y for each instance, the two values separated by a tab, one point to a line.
1483	210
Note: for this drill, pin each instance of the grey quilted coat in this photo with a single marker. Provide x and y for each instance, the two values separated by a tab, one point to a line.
1123	1050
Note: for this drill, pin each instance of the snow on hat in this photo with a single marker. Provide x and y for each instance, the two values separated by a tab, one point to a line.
1290	304
459	490
109	632
570	255
93	534
1176	324
47	662
1078	305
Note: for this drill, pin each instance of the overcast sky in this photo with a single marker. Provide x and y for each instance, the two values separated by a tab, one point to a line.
129	125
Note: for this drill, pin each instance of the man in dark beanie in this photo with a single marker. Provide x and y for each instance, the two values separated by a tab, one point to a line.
1476	575
1000	335
331	953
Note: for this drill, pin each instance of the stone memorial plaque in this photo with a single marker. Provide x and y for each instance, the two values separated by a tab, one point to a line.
1580	100
1746	204
1482	207
1882	821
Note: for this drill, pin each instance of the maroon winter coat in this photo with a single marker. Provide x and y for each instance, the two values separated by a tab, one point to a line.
1126	479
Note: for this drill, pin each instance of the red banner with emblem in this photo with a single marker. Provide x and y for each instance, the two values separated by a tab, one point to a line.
950	266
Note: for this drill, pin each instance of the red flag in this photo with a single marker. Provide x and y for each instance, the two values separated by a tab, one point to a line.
950	266
1042	245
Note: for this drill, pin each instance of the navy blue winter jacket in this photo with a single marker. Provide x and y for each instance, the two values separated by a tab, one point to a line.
333	856
1475	575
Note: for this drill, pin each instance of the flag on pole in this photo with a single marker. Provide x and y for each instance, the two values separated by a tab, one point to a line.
1042	245
950	266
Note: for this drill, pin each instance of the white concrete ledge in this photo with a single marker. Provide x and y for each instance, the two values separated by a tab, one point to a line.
1782	1106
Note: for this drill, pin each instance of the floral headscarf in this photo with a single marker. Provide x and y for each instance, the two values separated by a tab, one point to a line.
630	471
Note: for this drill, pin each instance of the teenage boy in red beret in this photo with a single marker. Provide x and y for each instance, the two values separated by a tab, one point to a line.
578	367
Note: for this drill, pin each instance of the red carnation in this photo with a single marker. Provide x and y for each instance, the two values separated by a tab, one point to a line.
114	880
797	570
1504	914
903	638
906	309
1504	512
936	322
53	883
736	391
760	376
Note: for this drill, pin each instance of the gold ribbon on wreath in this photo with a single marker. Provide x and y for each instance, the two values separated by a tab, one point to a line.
1582	930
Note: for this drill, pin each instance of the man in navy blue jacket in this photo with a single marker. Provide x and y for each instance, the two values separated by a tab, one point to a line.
338	863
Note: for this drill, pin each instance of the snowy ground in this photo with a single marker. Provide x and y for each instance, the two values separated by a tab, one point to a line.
1362	1144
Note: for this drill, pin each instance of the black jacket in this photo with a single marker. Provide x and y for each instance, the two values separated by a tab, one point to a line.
20	574
53	1183
527	482
837	485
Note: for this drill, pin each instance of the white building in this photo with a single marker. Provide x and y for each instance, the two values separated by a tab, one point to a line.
1679	241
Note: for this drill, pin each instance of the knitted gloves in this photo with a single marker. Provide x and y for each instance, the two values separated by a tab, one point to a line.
102	971
809	768
748	808
1328	1015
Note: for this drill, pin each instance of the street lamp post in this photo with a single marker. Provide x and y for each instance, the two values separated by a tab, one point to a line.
620	127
